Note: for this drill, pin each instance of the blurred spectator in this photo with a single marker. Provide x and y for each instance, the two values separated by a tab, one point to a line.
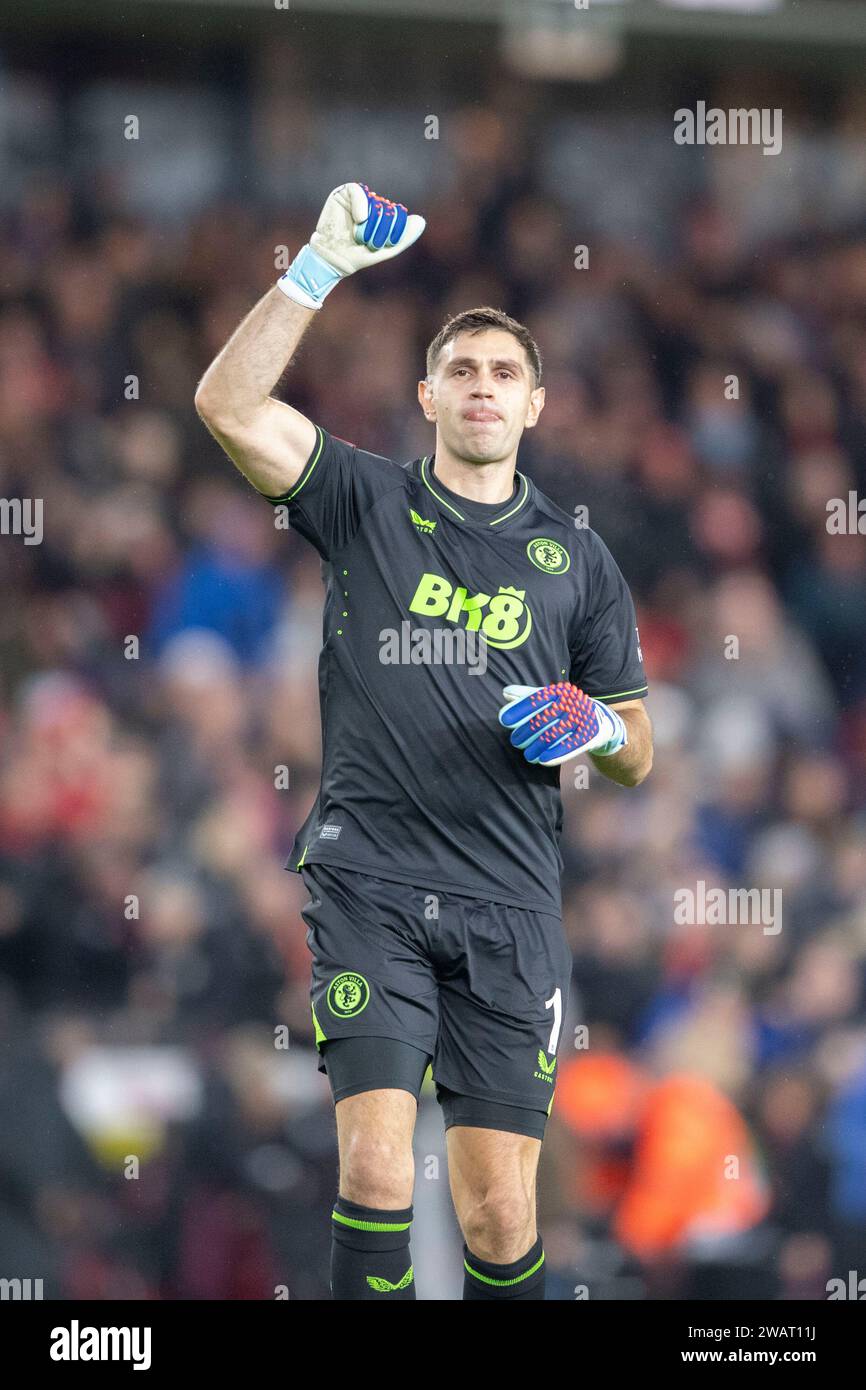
706	399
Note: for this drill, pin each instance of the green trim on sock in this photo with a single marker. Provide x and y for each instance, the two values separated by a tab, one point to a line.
369	1225
503	1283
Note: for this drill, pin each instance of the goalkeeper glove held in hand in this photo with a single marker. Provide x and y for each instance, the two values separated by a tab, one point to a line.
553	723
356	228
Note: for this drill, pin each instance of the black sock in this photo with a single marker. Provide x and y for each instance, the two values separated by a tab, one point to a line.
522	1279
370	1253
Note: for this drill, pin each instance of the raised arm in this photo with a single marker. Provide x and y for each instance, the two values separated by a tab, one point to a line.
268	440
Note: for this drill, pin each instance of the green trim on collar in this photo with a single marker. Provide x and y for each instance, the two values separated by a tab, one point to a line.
518	504
460	517
441	500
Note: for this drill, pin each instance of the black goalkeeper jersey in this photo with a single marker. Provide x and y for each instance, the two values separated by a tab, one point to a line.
433	604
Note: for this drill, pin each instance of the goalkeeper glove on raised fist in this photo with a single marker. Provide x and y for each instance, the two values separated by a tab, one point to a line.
553	723
356	228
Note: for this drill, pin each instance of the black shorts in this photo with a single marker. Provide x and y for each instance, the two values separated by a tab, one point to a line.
478	988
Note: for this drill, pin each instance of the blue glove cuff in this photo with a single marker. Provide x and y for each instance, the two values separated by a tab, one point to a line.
309	278
617	741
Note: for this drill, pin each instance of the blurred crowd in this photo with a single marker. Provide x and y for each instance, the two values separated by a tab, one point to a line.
159	724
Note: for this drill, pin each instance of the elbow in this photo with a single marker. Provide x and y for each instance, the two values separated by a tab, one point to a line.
222	421
211	410
635	775
644	770
203	401
210	400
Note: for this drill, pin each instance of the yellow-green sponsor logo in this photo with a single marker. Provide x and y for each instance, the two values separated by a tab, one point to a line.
382	1285
422	526
348	994
548	556
503	618
546	1068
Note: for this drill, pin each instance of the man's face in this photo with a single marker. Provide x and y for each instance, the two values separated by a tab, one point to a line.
481	396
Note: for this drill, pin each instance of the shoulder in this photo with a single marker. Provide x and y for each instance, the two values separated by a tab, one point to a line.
335	443
364	470
550	512
582	543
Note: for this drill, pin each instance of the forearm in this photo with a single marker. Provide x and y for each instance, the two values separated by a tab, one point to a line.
238	382
632	763
269	441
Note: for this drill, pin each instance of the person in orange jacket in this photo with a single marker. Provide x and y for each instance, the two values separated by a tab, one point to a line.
670	1162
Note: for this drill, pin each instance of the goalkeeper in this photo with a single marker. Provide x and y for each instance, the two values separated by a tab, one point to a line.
431	855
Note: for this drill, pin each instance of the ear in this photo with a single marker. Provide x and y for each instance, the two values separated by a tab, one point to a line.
535	407
425	398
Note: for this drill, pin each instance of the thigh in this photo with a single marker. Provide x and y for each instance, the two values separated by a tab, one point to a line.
385	1117
502	1007
371	975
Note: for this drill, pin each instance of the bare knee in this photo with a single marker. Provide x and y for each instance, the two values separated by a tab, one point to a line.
376	1171
498	1223
377	1167
493	1175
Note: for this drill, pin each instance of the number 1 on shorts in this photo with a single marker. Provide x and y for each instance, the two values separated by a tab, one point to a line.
556	1004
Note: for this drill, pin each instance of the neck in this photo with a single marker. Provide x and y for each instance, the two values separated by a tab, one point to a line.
480	482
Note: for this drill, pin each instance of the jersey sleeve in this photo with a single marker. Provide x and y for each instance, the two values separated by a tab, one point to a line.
606	659
338	486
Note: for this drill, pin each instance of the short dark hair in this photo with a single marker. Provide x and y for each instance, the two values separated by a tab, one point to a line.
475	321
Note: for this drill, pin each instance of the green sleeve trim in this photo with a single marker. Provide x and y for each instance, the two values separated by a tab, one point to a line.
621	694
503	1283
369	1225
302	858
305	477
